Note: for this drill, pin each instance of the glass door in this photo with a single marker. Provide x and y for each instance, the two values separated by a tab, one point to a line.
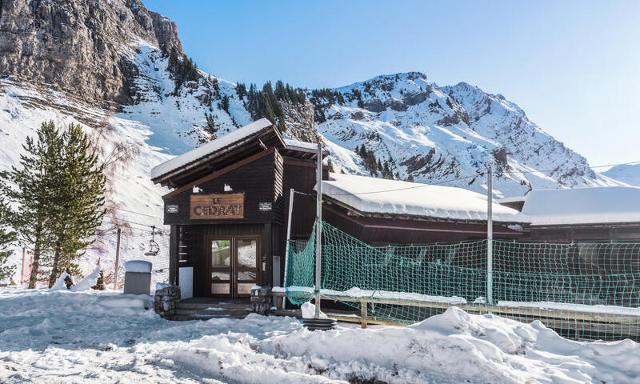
234	266
246	265
221	267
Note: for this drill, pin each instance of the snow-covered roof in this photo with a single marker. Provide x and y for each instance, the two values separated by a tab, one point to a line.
209	148
301	145
382	196
583	206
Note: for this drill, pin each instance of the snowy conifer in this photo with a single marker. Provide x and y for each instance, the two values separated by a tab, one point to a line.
78	201
30	187
6	239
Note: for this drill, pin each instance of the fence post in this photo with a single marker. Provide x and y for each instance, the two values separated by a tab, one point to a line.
318	231
489	236
363	313
287	247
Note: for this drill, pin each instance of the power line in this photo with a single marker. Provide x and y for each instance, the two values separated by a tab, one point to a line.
138	213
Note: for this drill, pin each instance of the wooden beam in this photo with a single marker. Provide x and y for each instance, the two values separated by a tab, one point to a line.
545	313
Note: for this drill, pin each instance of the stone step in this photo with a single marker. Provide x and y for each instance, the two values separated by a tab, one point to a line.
204	306
212	312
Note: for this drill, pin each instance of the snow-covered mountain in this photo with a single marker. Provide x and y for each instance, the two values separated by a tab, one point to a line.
626	173
120	70
448	135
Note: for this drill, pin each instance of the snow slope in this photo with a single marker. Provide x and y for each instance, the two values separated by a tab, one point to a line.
626	173
133	202
67	337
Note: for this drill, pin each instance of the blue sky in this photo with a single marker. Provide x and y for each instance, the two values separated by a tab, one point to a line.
574	66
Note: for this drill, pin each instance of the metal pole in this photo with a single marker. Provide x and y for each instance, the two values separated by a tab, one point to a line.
115	273
318	231
22	269
489	236
286	248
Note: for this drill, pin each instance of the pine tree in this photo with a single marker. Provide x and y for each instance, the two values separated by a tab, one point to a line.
241	90
6	239
224	103
77	202
31	190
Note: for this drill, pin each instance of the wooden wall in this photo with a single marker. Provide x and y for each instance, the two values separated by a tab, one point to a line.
586	233
259	180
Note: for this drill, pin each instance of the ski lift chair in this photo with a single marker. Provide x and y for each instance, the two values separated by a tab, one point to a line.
154	248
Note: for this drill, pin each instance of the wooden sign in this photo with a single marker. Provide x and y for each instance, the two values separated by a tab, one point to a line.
217	207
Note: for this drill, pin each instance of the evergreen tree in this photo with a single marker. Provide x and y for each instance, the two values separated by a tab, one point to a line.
184	69
77	204
32	190
6	239
241	90
224	103
212	127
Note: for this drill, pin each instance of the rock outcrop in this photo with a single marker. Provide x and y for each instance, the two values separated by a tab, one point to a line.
81	47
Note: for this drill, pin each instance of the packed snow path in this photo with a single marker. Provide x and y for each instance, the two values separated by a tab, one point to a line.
78	337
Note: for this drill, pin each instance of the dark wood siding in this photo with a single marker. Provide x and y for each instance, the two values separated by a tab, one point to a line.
381	231
595	232
301	176
255	180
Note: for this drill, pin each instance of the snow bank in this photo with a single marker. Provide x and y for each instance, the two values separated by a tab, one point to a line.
60	283
456	347
373	195
105	337
309	311
583	206
88	282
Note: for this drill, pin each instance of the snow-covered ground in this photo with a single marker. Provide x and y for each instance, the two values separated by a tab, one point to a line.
82	337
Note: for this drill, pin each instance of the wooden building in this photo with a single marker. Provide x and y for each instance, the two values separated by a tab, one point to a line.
229	201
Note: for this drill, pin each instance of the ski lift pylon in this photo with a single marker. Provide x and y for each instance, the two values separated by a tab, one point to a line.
154	248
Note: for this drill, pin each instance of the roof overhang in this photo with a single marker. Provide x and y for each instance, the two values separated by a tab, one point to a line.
218	154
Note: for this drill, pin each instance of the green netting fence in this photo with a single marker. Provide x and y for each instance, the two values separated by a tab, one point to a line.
582	290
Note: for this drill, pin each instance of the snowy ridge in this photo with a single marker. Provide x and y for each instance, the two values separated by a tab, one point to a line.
626	173
448	135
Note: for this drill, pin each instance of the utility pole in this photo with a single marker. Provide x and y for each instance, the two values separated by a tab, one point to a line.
115	273
489	235
318	231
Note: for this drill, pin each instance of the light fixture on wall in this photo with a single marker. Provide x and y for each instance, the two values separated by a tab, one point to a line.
196	189
227	188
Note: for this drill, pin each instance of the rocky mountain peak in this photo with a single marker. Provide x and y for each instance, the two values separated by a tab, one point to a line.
81	47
